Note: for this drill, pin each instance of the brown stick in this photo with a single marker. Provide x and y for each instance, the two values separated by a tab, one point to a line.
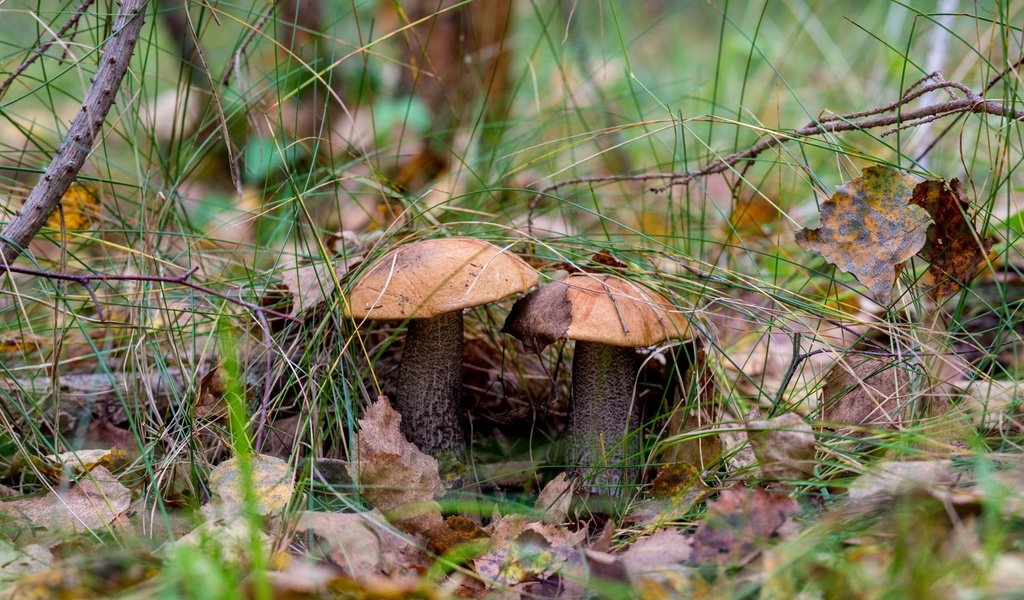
76	146
43	47
872	119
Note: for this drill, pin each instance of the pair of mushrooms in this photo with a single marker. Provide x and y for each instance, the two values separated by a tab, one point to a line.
429	283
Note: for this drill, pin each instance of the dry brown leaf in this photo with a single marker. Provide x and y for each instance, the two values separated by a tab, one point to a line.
954	248
893	477
348	539
784	446
555	498
312	285
272	483
394	476
94	502
869	230
739	522
653	553
864	391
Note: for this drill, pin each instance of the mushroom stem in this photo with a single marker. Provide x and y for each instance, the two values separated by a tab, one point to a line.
603	413
430	384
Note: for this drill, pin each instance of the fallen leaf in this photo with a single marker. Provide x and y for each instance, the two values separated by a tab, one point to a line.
864	391
79	206
394	476
524	551
869	230
311	285
893	477
230	539
739	522
653	553
954	248
77	462
784	447
16	563
347	539
555	498
299	579
271	479
94	502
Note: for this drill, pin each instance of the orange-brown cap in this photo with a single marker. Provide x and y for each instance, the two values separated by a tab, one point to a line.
595	308
431	277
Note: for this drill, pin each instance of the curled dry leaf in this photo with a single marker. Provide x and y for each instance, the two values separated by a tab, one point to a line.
864	391
362	545
784	446
272	485
869	230
555	498
954	248
739	522
656	552
394	476
94	502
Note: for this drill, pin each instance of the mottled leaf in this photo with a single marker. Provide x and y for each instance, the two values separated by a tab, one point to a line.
864	391
954	248
739	522
524	551
92	503
271	478
869	229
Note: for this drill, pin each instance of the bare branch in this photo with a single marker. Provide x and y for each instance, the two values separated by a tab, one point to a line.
858	121
76	146
41	48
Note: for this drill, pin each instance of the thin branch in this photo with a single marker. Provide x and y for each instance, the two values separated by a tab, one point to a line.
84	129
41	48
858	121
85	279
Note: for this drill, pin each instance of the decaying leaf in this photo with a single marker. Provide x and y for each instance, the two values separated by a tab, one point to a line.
555	498
869	229
864	391
349	540
739	522
231	539
893	477
524	551
311	285
272	485
954	248
656	552
80	205
77	462
784	446
394	476
94	502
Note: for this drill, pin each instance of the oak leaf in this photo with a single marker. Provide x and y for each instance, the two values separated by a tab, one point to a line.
869	229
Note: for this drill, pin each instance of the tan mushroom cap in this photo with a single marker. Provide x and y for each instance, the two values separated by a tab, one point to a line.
431	277
596	308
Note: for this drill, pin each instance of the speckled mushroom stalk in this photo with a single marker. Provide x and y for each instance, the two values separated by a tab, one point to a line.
604	412
608	317
428	284
430	385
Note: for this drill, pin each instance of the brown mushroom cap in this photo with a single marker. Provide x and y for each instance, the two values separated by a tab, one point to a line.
431	277
604	309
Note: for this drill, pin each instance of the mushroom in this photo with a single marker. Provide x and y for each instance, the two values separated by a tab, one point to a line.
429	283
608	317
